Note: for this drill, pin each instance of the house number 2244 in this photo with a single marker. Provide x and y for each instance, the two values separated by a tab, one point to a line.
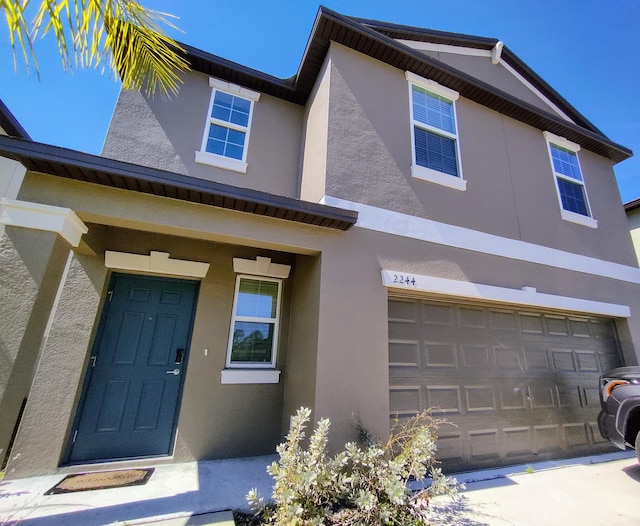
404	280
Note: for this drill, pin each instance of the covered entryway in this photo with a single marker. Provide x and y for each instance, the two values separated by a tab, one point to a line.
130	403
518	385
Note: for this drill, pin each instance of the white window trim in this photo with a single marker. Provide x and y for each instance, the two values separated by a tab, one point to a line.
275	321
220	161
567	215
250	373
422	172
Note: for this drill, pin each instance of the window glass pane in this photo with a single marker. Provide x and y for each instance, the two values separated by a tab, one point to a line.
433	110
224	141
222	106
233	152
252	342
435	152
236	137
572	196
230	108
257	299
565	162
240	111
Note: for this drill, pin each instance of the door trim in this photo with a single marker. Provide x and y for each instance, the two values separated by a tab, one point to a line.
156	263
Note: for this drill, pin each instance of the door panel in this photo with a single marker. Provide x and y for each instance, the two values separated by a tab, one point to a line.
518	385
130	404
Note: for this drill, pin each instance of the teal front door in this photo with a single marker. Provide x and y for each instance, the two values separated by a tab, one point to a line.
130	403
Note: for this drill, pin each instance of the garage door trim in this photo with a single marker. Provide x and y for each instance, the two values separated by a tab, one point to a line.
527	296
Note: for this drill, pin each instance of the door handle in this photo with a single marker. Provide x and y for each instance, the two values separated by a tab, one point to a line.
174	372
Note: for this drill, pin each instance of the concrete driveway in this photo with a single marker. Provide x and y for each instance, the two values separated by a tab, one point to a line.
599	490
576	492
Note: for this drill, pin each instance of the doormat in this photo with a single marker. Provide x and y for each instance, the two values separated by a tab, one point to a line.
102	480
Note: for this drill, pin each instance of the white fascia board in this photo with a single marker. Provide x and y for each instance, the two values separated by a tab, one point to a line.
535	91
396	223
444	48
62	221
155	263
526	297
459	50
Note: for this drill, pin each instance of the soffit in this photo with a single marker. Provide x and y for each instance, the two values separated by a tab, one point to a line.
71	164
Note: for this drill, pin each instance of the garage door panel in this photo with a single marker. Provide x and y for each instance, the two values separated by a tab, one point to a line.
519	386
439	354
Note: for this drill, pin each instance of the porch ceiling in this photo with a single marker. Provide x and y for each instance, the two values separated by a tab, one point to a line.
71	164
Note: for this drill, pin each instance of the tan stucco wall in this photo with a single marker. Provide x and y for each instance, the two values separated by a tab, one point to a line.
150	132
510	192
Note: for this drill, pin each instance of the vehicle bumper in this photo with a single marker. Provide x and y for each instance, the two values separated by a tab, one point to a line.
608	430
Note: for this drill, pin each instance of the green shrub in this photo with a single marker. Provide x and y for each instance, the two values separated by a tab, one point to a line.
363	485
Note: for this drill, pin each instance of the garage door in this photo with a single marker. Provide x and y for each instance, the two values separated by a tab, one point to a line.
518	386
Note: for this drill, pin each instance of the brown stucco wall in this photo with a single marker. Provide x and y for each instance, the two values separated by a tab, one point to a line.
150	132
511	190
42	437
334	345
31	264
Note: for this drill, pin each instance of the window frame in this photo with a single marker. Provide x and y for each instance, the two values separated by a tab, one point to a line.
276	324
217	160
456	182
568	215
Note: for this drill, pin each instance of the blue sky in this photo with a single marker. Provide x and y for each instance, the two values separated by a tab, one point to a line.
588	50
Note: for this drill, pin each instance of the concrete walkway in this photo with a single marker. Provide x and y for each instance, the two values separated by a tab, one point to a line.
603	489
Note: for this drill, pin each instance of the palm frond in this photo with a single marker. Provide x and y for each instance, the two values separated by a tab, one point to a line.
119	35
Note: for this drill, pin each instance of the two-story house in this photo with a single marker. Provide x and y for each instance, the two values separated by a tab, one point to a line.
415	220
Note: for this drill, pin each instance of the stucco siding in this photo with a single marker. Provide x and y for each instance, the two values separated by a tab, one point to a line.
58	378
511	191
150	132
314	150
497	76
31	265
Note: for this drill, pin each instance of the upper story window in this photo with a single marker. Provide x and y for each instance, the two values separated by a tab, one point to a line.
436	155
572	193
226	132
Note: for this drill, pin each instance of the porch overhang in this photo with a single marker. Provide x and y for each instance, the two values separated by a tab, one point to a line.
72	164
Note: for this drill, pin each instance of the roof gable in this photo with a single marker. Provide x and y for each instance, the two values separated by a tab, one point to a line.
381	41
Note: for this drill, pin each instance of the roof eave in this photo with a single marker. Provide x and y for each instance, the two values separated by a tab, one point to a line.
71	164
10	124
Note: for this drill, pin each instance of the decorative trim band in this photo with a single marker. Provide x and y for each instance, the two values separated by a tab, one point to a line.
156	263
527	296
396	223
25	214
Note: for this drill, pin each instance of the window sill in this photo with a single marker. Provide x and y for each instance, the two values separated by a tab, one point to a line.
249	376
450	181
579	219
219	161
